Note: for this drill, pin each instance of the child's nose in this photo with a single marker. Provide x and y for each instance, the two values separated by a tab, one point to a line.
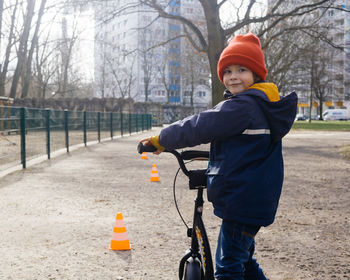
233	75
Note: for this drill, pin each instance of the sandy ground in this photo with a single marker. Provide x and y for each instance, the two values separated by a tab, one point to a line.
57	217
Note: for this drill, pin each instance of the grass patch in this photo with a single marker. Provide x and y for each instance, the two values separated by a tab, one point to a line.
322	125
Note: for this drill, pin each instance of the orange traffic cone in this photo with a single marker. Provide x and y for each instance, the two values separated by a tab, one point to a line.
144	155
154	174
119	239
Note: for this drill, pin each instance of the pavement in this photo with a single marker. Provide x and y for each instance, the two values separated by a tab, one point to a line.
57	216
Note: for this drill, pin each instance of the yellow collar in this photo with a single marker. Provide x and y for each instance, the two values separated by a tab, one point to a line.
269	89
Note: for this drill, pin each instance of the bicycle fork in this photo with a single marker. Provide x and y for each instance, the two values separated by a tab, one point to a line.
192	254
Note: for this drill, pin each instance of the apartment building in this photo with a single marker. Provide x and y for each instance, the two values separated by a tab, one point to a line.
132	59
339	21
337	72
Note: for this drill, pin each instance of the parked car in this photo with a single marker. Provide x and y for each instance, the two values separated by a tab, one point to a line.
300	117
315	117
335	114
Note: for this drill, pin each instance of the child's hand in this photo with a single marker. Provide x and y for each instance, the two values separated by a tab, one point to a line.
153	141
146	141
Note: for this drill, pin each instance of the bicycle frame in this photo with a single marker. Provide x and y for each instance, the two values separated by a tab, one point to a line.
197	263
199	254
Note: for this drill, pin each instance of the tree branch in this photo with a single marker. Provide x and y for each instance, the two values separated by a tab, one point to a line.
193	43
157	45
221	3
247	14
298	11
323	38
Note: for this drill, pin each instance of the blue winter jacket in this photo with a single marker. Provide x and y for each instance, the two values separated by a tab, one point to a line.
245	171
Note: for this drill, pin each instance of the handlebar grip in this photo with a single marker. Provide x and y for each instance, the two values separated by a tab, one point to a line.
143	148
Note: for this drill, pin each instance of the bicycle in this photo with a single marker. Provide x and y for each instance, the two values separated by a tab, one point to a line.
197	262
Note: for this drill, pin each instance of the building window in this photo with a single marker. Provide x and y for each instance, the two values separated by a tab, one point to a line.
159	93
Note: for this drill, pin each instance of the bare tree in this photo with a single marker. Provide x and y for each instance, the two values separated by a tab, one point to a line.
320	77
66	47
162	71
300	54
23	47
195	69
21	24
68	76
44	66
1	13
101	79
123	78
218	34
10	43
148	61
27	74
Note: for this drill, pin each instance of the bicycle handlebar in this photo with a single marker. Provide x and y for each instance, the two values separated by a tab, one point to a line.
185	155
143	148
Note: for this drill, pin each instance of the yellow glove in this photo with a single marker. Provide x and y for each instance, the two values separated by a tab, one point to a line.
155	142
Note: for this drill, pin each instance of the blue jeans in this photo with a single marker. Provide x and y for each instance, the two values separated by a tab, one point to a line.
234	253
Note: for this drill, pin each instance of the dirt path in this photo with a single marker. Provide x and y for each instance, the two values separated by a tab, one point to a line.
57	217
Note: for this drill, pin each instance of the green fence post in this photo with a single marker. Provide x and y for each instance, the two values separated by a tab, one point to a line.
23	136
143	122
130	124
111	125
139	118
121	124
47	122
66	129
84	127
99	126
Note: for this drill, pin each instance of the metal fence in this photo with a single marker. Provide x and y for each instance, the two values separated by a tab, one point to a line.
28	133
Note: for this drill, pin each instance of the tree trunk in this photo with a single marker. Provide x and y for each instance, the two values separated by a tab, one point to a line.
312	85
65	58
1	11
321	108
22	50
27	77
216	43
4	69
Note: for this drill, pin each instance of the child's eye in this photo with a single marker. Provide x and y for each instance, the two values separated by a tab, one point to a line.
242	69
227	71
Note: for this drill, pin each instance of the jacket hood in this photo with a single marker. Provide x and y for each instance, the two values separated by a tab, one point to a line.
280	112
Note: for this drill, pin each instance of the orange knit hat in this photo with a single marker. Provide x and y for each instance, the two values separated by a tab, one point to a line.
244	50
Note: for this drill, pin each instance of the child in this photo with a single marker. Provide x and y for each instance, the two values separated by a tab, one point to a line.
245	171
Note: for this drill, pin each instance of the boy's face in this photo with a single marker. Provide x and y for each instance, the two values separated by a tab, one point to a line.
237	78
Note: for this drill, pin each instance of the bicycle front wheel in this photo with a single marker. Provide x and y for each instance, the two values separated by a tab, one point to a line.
204	250
193	269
